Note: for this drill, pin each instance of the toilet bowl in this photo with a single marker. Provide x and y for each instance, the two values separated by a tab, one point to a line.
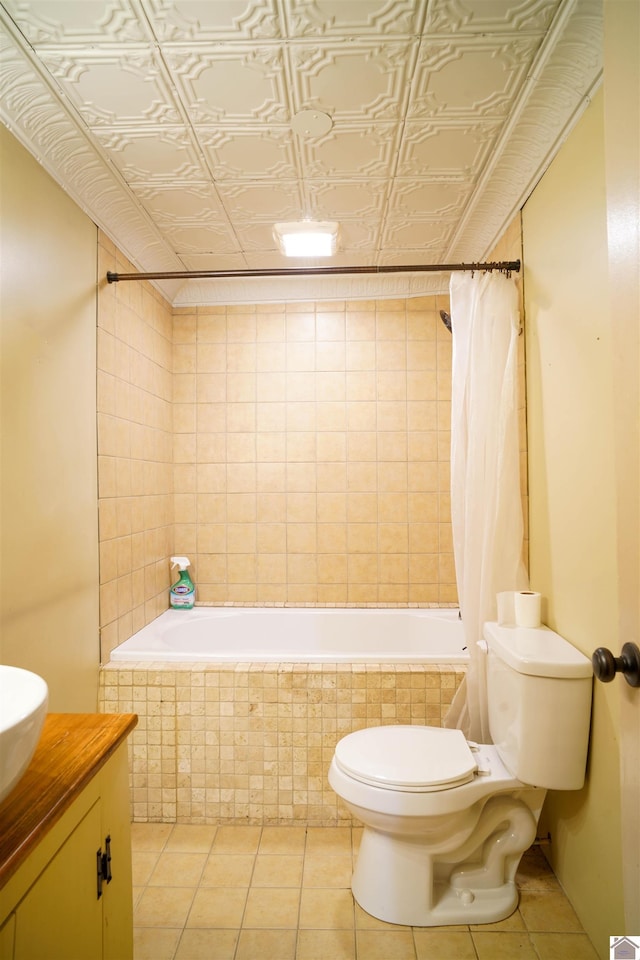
446	821
442	840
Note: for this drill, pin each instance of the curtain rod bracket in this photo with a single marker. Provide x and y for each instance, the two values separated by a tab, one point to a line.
503	266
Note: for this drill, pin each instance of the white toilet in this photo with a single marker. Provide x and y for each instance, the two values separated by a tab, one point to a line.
446	821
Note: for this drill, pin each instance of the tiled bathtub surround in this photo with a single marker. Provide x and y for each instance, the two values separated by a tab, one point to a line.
135	451
311	451
297	452
252	742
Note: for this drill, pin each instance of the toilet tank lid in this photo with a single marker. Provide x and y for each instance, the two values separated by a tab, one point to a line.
537	651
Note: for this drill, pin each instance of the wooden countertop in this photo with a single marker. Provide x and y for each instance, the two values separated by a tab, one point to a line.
71	750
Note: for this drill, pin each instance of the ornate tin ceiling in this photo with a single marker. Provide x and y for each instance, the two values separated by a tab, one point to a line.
180	126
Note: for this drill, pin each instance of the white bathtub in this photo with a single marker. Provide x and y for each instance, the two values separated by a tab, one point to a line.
298	635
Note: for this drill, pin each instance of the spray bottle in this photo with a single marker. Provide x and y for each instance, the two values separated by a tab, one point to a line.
183	593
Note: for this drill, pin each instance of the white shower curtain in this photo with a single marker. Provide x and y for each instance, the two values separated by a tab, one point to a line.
486	505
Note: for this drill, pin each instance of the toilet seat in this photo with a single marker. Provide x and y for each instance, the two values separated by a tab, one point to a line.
407	757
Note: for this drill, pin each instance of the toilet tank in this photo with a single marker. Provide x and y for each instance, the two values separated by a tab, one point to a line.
539	702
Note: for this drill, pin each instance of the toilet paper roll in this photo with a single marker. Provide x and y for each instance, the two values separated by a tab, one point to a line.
506	607
527	605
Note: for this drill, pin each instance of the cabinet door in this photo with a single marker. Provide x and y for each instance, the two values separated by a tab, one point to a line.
7	937
61	917
117	902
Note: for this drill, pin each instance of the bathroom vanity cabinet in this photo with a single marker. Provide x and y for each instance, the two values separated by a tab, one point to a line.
65	845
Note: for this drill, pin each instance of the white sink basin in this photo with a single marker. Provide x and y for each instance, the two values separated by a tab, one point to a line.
23	707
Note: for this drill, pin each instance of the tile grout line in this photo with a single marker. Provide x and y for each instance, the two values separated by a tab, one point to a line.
478	938
196	889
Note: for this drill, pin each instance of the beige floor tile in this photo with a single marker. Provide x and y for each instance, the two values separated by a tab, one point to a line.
228	870
328	871
548	913
266	945
150	836
191	838
277	871
271	907
187	866
283	893
356	838
385	945
328	840
514	922
563	946
142	865
326	945
504	946
163	907
438	945
240	839
215	907
364	921
326	909
285	840
534	873
153	943
207	945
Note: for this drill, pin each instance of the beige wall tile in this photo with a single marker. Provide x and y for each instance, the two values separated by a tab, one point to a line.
136	424
326	424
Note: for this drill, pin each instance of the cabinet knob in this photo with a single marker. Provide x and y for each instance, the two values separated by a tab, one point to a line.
605	665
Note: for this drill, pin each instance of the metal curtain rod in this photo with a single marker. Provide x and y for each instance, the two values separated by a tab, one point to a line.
505	266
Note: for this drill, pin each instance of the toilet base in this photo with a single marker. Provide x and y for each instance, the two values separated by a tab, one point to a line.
467	878
449	907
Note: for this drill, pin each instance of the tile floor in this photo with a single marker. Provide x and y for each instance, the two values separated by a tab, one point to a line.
283	893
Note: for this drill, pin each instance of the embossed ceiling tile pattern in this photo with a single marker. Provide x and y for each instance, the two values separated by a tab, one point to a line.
170	121
359	236
178	203
353	18
213	261
235	83
150	154
439	198
417	234
194	238
469	78
354	83
249	152
368	151
56	21
491	16
452	151
213	22
274	201
352	199
124	87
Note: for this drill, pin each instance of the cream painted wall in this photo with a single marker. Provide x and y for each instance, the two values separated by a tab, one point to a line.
572	492
49	537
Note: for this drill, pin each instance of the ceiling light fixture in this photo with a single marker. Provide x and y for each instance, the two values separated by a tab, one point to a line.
307	238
